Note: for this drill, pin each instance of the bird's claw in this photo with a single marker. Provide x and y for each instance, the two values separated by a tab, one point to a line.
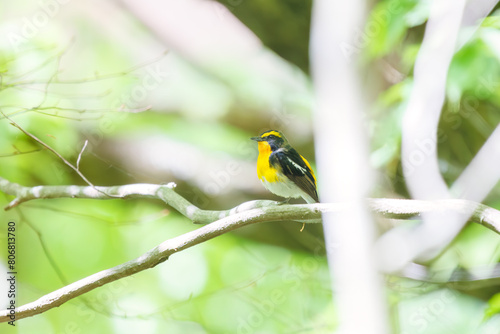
284	202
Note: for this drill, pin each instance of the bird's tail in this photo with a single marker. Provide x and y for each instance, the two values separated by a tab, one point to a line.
309	199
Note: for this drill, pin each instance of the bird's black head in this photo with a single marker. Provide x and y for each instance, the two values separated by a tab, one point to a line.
274	138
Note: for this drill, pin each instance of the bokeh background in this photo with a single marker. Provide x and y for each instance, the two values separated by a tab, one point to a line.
161	104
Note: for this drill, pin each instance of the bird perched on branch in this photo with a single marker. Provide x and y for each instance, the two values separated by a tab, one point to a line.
282	170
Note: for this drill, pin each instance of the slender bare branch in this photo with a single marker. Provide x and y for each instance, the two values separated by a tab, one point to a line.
80	155
461	279
140	190
17	152
159	254
47	147
223	221
96	77
388	207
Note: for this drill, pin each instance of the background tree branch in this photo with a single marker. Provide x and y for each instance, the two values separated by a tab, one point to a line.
221	222
388	207
463	279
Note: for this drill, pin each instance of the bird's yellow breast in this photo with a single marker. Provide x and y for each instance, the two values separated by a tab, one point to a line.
264	170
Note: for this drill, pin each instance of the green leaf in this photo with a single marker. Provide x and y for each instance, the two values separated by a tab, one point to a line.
493	307
491	22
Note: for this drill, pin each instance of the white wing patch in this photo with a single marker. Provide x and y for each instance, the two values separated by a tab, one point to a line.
297	165
293	162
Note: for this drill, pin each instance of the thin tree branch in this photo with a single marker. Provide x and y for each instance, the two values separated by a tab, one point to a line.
224	221
140	190
48	147
461	279
80	155
96	77
388	207
162	252
242	215
17	152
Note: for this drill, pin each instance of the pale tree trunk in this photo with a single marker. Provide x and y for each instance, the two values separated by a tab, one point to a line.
343	168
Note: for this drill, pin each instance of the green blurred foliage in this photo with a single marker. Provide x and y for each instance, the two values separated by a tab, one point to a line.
267	278
256	279
283	26
469	116
493	306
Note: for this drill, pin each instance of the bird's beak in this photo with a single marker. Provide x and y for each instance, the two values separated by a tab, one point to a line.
257	138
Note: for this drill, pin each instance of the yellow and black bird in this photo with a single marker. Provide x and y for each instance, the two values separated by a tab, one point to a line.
282	170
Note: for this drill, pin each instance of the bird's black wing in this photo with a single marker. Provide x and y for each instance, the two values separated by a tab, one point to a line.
296	169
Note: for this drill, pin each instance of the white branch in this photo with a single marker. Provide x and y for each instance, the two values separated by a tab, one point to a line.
475	11
343	166
421	119
420	164
398	248
224	221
